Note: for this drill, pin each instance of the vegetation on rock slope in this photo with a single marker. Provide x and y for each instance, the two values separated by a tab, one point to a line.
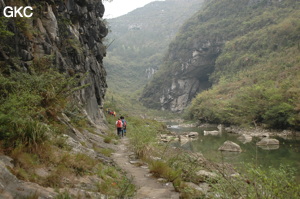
47	139
256	74
34	132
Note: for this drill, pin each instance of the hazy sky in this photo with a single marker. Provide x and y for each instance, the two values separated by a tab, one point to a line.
120	7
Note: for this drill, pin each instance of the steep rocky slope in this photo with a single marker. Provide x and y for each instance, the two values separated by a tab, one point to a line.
53	152
71	32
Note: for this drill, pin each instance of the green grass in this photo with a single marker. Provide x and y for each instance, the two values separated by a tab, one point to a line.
255	182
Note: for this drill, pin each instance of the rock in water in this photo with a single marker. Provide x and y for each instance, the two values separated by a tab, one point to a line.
230	146
245	138
193	134
212	133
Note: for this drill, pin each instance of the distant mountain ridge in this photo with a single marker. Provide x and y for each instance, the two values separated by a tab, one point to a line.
246	52
140	38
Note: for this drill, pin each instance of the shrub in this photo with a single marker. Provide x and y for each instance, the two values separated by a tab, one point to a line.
162	169
107	139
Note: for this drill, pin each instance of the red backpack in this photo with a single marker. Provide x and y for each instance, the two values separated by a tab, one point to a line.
119	124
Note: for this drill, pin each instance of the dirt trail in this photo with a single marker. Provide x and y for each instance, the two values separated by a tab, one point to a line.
147	186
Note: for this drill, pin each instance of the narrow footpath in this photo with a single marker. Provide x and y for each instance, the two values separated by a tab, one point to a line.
147	186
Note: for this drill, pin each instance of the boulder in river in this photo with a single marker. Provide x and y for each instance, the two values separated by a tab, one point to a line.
221	128
267	141
212	133
230	146
193	134
245	138
183	139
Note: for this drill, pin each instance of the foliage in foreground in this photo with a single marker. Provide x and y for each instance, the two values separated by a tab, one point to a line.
28	102
256	182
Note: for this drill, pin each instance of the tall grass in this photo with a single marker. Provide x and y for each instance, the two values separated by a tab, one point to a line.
30	102
255	182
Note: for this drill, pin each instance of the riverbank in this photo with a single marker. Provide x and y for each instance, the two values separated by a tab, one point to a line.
261	132
251	131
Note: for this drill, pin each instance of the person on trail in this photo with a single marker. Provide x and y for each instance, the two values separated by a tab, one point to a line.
119	126
124	122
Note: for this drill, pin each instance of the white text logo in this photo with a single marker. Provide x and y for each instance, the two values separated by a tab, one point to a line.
15	11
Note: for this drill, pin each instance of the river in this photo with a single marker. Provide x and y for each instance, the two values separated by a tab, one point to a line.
288	152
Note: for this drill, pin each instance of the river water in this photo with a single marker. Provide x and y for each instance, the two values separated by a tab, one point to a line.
288	152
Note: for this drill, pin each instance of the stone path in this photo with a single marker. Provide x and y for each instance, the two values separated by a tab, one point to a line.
147	186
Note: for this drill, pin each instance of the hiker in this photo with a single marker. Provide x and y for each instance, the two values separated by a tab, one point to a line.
114	114
124	122
119	126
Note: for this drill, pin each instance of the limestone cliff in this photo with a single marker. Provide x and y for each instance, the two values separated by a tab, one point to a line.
182	82
66	35
70	32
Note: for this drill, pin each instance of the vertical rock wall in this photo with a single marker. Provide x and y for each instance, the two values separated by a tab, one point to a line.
71	33
186	77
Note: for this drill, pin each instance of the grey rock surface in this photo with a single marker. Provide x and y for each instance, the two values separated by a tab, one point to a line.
230	146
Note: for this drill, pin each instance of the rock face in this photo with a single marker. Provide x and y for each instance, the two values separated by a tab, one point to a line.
189	77
230	146
11	187
68	33
177	97
206	174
